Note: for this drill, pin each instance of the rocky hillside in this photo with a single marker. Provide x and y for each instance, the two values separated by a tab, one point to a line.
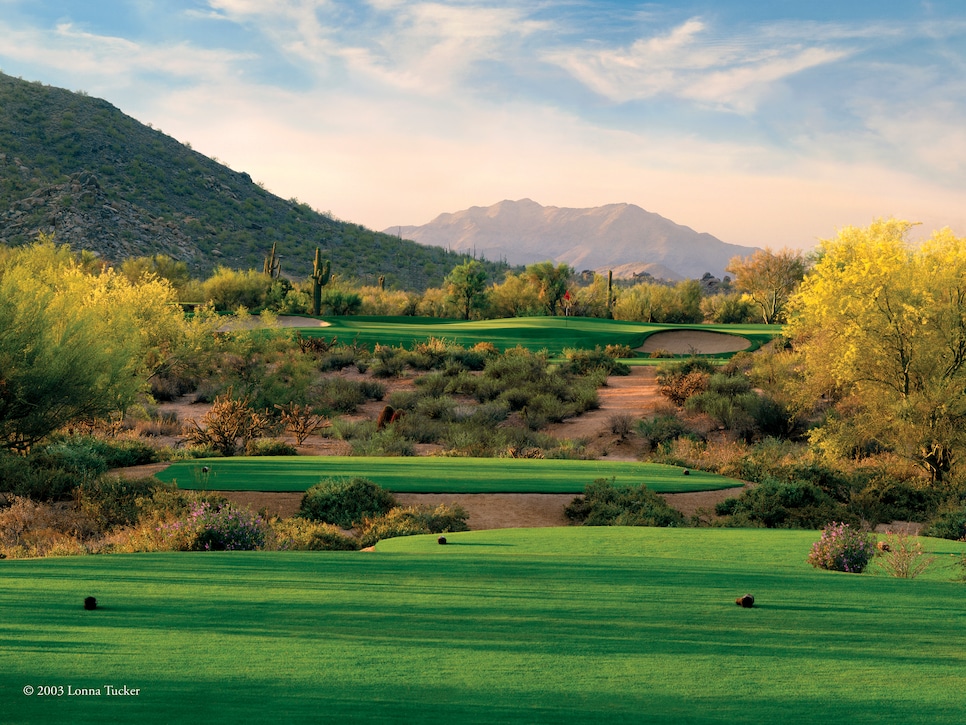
521	232
100	180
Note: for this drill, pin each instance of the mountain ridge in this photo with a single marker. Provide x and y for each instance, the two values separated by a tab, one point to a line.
612	235
100	180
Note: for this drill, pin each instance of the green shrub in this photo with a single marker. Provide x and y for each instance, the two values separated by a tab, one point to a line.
604	504
298	534
413	520
582	361
433	385
417	429
948	524
77	455
38	480
469	359
436	408
339	395
345	502
269	447
386	442
782	505
223	527
339	358
885	499
842	548
114	501
348	430
662	429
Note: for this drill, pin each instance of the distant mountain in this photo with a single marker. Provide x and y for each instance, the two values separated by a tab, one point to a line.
604	237
101	181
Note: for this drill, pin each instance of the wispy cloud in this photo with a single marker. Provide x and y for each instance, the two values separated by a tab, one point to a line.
689	62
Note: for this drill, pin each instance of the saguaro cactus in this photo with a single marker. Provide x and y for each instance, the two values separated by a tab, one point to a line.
321	274
610	294
273	264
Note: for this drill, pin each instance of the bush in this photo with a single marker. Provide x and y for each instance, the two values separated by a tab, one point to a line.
777	504
114	501
386	442
39	480
886	499
345	502
269	447
902	556
948	524
413	520
662	429
604	504
31	529
298	534
215	527
583	361
842	548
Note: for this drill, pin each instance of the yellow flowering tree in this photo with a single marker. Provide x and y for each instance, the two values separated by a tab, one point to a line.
880	327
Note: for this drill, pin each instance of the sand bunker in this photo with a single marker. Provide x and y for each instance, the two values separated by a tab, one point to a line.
701	342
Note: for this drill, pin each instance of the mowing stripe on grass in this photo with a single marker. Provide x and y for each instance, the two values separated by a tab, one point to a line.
571	625
433	475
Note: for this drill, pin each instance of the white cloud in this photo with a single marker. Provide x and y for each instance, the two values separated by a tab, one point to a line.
688	62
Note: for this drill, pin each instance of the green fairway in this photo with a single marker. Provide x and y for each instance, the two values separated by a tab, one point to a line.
433	475
567	625
554	334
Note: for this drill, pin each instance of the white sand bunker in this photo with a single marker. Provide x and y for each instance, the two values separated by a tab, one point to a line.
700	342
293	321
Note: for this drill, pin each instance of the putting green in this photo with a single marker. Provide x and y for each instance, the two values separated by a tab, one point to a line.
433	474
554	334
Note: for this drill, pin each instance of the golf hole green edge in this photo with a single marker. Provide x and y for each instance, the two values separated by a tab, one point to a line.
434	475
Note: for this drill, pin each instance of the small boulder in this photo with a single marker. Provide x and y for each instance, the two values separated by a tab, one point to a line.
747	601
90	603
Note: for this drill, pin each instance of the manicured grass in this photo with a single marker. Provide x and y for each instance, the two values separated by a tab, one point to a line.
433	475
505	626
554	334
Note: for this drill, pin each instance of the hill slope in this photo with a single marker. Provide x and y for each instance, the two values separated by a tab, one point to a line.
522	232
100	180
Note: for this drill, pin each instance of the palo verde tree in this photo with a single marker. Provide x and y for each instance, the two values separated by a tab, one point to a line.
880	326
769	278
75	345
466	287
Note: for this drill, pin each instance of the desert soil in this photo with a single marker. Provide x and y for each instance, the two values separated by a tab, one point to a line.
635	395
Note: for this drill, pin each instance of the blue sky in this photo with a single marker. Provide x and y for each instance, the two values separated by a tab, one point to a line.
766	124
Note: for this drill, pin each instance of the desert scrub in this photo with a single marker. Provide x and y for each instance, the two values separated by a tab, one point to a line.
413	520
30	529
113	501
902	556
269	447
345	501
604	504
215	527
298	534
777	504
842	548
